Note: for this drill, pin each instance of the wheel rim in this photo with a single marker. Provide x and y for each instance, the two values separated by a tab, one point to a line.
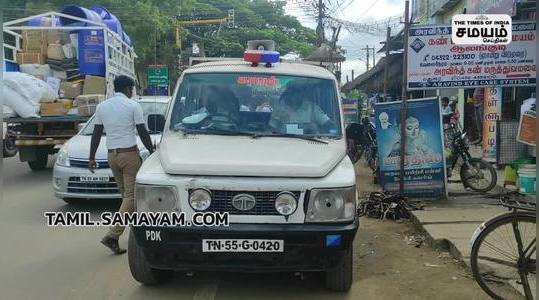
500	271
478	176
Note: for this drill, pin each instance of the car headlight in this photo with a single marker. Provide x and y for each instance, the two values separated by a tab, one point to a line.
155	198
286	203
63	157
332	205
200	199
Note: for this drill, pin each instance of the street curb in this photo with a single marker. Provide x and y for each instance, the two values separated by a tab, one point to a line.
439	244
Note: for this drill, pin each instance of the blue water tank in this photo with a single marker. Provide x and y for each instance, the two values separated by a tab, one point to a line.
92	60
81	12
109	19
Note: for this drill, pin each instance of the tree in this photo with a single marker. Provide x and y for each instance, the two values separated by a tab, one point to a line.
151	26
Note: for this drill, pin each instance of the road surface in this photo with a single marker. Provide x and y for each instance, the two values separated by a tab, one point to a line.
38	262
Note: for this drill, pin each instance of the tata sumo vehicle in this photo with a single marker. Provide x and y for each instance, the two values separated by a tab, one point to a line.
263	142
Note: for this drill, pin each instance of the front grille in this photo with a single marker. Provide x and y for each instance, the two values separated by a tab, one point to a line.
74	185
265	202
81	163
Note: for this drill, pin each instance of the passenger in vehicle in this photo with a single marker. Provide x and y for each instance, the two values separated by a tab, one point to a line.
298	108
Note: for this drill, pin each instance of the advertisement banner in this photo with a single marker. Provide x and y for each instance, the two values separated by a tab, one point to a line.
424	174
435	62
506	7
492	113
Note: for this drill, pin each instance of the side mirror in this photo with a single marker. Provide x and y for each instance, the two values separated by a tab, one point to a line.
80	126
156	123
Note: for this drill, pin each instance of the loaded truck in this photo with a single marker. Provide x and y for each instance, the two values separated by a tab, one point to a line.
96	47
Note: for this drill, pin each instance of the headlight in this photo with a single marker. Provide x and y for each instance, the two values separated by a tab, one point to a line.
63	157
200	199
154	198
332	205
286	203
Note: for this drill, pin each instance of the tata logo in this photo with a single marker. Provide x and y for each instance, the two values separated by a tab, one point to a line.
243	202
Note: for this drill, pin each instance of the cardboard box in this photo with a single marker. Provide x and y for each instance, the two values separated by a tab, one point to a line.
68	103
87	110
94	85
55	51
57	37
53	109
70	90
85	100
30	58
34	41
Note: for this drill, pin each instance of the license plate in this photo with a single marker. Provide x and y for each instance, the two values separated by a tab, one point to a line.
242	245
94	179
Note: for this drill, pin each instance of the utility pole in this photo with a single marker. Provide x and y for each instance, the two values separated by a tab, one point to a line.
403	96
373	57
353	77
320	26
386	62
368	61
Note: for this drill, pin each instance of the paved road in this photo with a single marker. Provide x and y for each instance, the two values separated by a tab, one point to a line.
68	263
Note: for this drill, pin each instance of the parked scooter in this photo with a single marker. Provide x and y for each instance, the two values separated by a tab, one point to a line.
475	173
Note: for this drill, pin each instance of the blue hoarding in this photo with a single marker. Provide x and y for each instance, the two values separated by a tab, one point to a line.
424	174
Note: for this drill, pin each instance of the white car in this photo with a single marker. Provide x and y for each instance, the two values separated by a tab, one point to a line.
71	178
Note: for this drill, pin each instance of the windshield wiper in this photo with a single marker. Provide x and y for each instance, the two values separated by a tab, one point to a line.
186	131
290	135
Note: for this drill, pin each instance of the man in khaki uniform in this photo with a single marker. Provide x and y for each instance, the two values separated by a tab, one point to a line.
121	118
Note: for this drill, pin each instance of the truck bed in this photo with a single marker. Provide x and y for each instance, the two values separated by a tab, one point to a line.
55	119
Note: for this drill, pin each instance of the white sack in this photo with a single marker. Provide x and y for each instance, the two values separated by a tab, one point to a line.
22	93
7	112
37	70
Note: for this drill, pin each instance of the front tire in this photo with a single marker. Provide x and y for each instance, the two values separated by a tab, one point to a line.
495	257
471	179
9	149
340	278
140	269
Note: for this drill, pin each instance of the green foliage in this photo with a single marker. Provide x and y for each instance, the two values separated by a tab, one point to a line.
151	26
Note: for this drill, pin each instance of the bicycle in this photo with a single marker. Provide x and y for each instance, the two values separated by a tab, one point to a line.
503	252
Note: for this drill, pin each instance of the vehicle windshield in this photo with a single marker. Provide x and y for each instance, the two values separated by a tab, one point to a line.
245	103
148	108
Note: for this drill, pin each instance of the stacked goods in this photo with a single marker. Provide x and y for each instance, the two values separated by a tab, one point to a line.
86	104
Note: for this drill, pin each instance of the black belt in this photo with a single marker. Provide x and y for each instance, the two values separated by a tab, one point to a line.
122	150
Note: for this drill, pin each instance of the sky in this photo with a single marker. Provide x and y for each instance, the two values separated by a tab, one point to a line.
362	11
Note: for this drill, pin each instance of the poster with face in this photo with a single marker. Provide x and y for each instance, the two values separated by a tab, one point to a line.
424	155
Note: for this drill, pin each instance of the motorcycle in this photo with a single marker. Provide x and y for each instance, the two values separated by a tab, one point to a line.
361	139
475	173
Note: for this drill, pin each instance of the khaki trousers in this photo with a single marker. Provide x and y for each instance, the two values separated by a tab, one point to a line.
124	167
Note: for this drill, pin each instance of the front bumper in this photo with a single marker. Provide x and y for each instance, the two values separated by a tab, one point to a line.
64	182
305	247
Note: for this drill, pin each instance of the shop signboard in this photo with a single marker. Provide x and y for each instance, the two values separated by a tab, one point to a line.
506	7
492	113
425	173
350	110
434	62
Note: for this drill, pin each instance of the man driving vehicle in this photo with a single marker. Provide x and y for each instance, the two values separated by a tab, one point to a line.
299	109
215	101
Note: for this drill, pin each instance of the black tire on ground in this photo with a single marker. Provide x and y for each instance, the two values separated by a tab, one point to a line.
40	163
9	149
490	227
140	269
477	162
340	278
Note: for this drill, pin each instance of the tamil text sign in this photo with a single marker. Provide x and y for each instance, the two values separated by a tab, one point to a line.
424	171
435	62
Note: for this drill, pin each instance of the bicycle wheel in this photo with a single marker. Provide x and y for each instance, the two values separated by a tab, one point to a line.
503	256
